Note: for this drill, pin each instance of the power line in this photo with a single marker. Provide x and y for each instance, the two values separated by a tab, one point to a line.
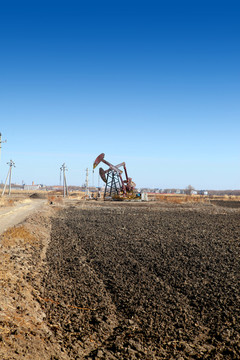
1	142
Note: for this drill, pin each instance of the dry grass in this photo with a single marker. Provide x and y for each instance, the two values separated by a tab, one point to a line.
6	202
178	199
16	235
226	197
55	199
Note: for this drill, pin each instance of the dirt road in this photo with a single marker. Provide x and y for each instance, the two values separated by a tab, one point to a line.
13	215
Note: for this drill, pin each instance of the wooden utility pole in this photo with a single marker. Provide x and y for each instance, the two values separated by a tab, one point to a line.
86	185
9	175
63	168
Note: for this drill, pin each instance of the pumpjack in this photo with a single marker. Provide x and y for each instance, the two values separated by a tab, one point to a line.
116	188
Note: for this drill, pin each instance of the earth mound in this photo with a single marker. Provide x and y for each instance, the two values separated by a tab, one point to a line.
37	196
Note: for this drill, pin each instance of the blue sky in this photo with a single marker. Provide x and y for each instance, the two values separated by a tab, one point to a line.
153	83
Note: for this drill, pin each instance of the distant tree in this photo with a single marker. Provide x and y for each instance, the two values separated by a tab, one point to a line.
189	189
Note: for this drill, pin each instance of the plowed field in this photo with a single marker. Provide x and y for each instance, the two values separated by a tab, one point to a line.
141	281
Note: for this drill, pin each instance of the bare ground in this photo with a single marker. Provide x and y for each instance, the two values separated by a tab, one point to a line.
13	212
122	281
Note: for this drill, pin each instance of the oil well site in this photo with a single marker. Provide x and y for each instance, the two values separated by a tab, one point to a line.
123	279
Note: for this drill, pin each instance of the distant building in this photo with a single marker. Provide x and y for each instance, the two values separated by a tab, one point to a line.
16	187
31	187
203	192
55	187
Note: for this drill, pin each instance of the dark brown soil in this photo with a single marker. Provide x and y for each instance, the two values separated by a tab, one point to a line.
224	203
141	282
38	196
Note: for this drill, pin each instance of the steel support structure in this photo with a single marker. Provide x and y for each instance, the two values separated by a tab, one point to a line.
113	185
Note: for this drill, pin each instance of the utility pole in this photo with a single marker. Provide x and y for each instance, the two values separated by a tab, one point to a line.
1	142
63	168
86	189
9	175
93	178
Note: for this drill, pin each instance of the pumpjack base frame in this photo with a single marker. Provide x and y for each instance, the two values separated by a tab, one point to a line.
113	186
